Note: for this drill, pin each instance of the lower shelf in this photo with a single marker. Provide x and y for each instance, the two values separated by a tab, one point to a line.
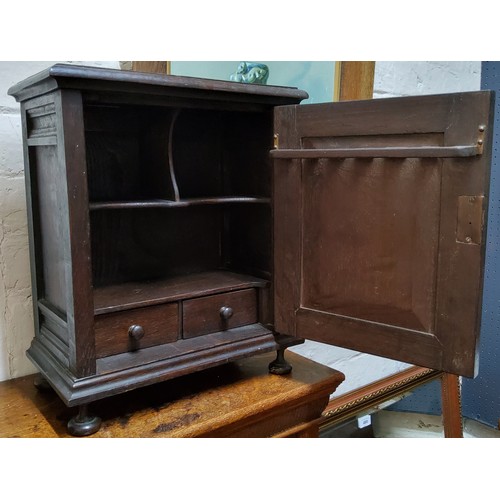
140	294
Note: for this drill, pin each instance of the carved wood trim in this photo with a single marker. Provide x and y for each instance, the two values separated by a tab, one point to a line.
354	402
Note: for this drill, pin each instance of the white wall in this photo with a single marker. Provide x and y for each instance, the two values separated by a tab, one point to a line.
393	79
16	329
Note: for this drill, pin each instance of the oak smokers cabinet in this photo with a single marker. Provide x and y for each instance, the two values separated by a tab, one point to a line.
179	223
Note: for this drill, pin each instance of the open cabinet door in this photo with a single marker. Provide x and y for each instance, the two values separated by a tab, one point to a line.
379	225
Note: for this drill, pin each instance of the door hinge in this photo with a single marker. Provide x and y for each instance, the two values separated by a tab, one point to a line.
480	139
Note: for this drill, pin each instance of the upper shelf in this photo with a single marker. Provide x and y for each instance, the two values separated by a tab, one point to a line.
187	202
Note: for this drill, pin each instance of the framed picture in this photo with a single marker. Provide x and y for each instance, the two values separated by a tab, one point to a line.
318	77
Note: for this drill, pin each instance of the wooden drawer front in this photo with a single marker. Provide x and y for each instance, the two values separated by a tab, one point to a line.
203	315
159	324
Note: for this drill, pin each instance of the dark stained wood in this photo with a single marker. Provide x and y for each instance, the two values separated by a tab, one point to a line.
131	295
71	153
160	325
459	293
389	239
452	407
128	152
248	239
389	152
197	158
112	80
361	252
389	117
42	141
183	102
205	315
33	222
49	237
287	226
236	400
130	370
470	219
51	189
381	269
164	359
137	245
47	309
107	205
114	140
359	335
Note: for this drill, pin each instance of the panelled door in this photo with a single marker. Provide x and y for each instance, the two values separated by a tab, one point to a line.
379	225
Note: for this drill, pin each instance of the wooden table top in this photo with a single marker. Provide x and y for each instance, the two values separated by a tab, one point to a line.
239	399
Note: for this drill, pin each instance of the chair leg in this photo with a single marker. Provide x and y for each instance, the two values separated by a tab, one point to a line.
452	406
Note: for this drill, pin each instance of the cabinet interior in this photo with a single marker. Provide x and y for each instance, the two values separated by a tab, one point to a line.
176	192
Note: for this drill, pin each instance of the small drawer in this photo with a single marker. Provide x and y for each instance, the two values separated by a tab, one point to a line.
219	312
135	329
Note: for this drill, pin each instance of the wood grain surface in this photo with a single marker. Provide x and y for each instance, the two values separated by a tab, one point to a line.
239	399
356	80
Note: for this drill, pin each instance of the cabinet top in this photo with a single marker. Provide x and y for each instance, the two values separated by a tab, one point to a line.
114	80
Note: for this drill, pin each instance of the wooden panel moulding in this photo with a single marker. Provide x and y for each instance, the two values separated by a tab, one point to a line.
41	121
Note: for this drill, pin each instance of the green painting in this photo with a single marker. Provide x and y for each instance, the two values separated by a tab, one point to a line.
315	77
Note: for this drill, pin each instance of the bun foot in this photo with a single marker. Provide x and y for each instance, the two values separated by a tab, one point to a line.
280	365
84	424
40	382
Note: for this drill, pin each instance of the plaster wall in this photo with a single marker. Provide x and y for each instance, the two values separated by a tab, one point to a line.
400	78
16	329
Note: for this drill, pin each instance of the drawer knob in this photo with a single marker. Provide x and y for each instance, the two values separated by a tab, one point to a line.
136	332
226	312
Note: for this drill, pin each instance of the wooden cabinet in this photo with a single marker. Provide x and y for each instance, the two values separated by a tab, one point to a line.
166	238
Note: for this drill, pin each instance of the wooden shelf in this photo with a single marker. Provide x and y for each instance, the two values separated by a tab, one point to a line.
187	202
140	294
